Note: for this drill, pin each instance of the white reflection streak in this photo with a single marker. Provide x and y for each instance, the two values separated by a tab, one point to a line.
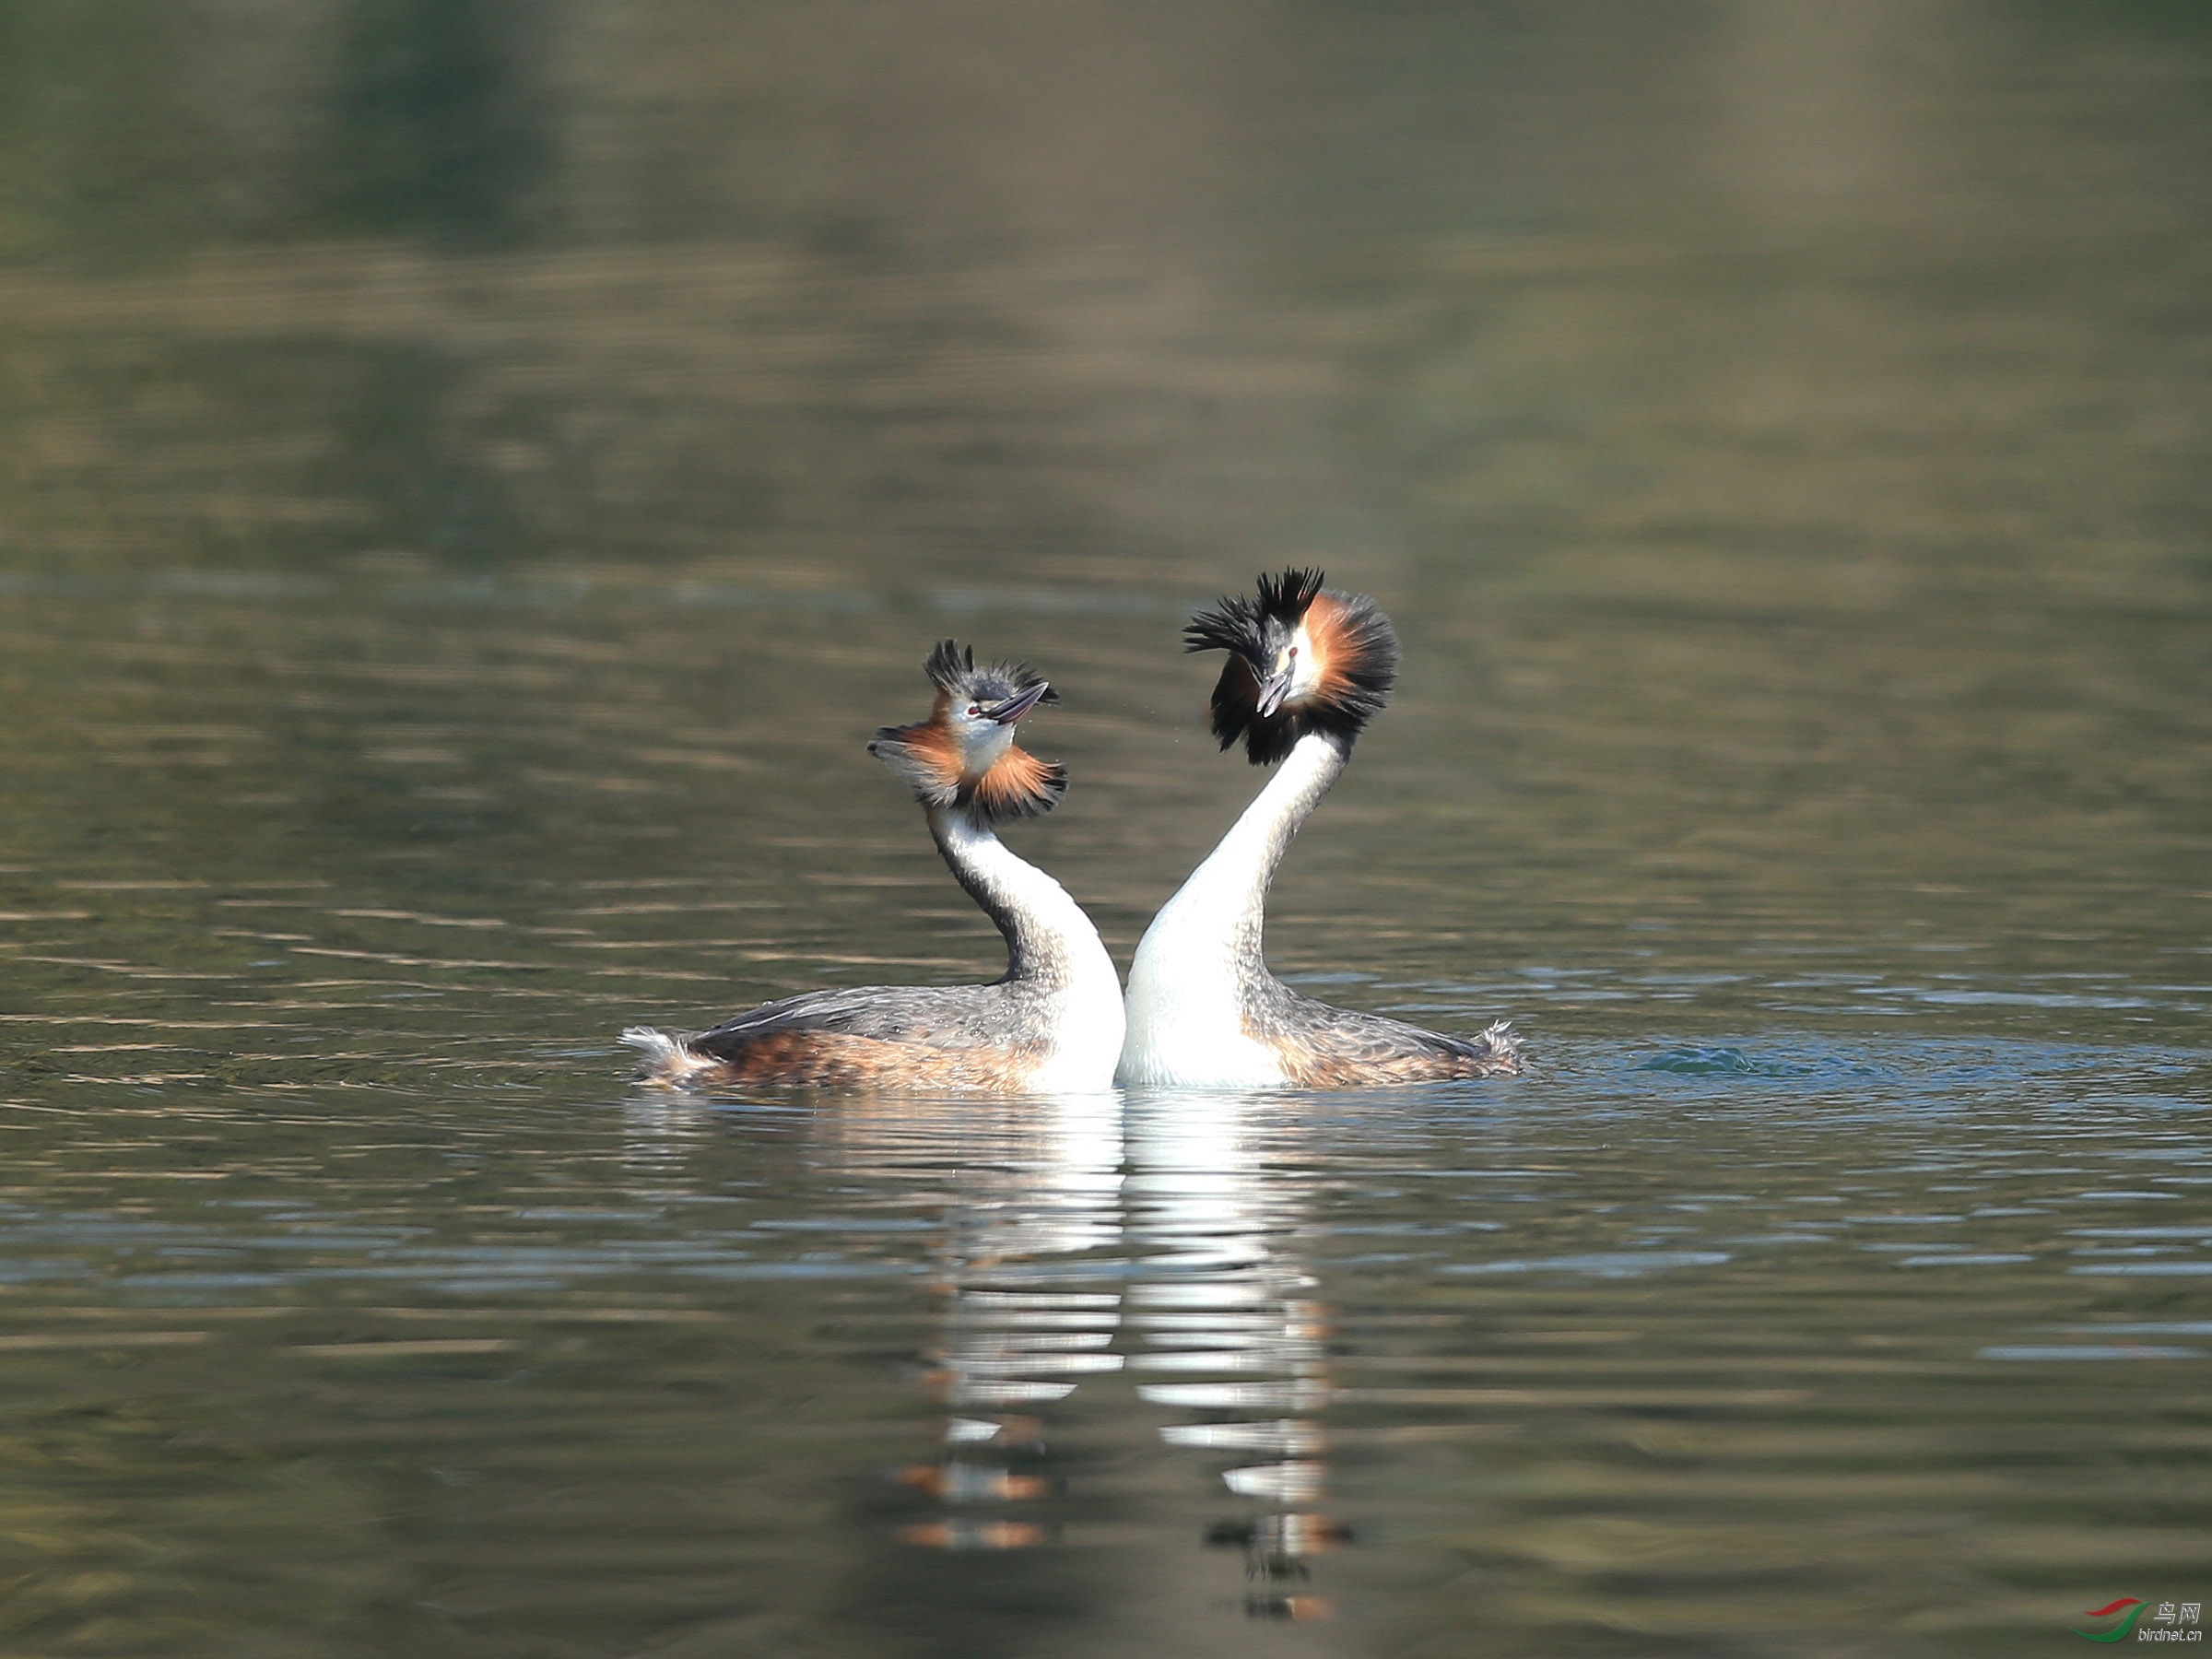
659	1136
1224	1296
1030	1182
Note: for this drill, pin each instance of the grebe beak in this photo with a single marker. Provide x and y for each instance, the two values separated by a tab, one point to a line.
1013	708
1272	690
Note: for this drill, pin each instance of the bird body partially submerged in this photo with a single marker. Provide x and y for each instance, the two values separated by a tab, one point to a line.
1307	669
1052	1023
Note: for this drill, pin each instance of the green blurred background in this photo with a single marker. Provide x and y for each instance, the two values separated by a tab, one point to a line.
1781	431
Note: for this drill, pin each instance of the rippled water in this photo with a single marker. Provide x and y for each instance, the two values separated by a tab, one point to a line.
470	483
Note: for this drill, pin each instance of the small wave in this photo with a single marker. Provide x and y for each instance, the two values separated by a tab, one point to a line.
1702	1062
1612	1264
1698	1060
2087	1352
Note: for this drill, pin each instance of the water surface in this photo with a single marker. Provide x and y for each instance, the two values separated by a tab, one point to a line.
474	478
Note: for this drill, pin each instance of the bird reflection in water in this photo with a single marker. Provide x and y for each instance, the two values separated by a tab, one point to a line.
1050	1266
1028	1309
1225	1306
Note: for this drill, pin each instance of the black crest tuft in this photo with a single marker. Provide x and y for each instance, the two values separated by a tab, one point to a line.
1256	628
1354	644
953	669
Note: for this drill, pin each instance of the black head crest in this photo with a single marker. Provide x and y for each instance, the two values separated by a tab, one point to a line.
1301	659
953	669
1254	627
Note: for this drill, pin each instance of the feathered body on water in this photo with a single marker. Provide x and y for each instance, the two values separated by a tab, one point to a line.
1051	1023
1307	669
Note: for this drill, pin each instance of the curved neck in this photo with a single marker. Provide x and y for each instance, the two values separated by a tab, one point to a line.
1049	939
1225	901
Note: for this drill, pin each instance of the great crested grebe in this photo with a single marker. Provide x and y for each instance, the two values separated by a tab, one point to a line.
1306	670
1051	1024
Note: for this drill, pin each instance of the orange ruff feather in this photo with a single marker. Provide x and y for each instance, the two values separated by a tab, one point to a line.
1324	626
927	754
1019	785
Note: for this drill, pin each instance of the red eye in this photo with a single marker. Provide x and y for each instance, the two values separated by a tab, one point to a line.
974	709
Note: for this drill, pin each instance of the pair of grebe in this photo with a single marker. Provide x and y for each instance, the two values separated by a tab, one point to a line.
1308	668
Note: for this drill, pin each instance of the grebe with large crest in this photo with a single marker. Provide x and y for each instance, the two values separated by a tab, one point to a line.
1051	1024
1308	668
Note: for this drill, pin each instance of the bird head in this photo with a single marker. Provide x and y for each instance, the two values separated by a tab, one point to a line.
964	753
1303	658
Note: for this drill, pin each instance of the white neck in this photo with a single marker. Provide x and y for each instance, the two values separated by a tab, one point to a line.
1200	960
1052	947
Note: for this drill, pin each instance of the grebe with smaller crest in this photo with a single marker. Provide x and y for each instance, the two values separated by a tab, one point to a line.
1051	1024
1308	668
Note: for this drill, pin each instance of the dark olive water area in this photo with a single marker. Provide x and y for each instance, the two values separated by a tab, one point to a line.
472	477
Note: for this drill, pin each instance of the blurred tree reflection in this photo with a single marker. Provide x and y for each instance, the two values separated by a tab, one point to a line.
438	124
134	130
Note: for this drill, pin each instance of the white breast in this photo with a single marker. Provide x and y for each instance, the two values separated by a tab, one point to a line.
1186	1018
1187	988
1088	1038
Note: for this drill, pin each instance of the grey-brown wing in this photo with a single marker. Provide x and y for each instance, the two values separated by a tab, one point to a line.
1347	1047
939	1016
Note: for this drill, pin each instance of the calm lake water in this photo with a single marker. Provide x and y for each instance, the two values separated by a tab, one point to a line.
473	475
